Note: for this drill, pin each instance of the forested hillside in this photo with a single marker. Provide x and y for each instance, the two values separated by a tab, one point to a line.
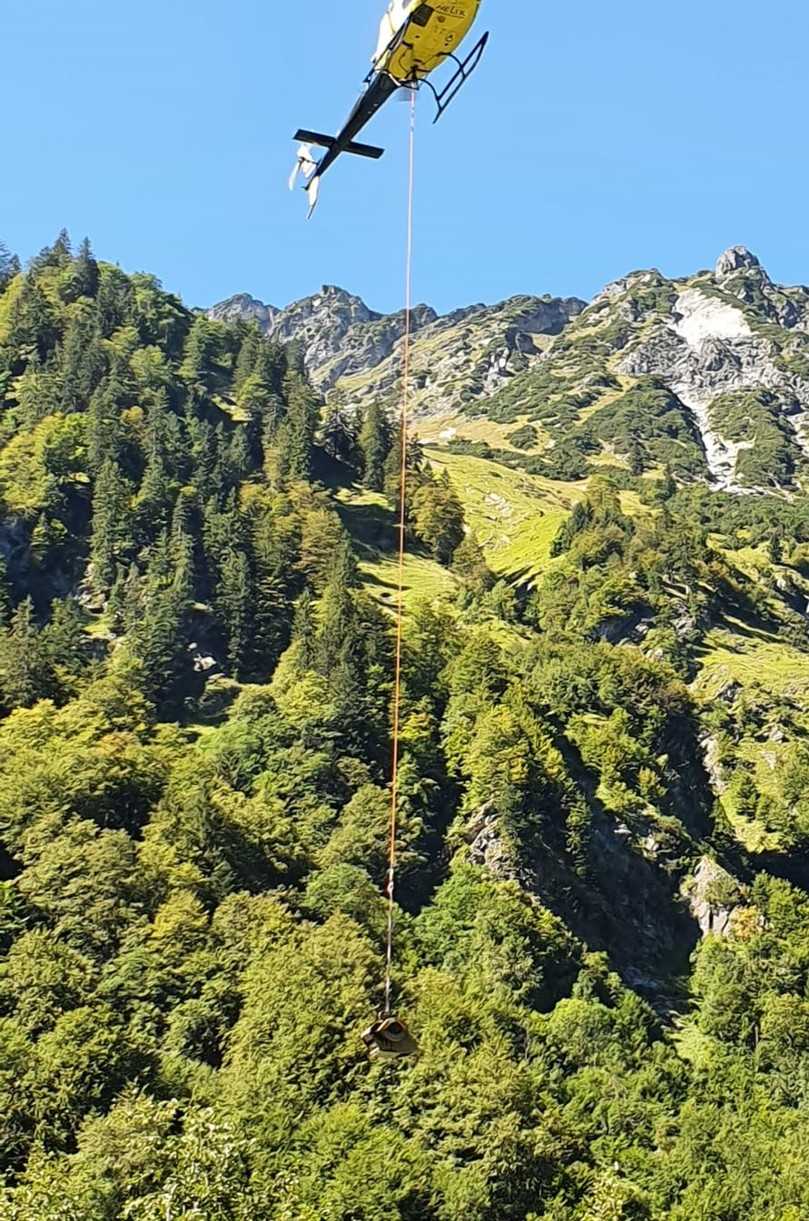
603	918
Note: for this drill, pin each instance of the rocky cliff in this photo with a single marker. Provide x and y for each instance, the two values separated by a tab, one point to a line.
708	374
459	356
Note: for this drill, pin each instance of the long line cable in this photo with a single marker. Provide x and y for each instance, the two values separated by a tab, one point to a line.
397	675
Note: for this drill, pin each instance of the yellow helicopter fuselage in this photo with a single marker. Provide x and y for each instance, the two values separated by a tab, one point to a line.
415	38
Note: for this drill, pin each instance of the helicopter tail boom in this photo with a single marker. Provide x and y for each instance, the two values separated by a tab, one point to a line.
330	142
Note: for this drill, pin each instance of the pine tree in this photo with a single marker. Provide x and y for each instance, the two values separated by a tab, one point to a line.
32	329
115	300
339	439
9	266
112	526
157	626
104	433
81	361
65	643
273	562
5	593
234	602
375	442
469	563
297	434
304	631
438	518
201	356
248	354
25	669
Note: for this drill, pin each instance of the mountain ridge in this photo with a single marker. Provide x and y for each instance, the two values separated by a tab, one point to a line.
729	346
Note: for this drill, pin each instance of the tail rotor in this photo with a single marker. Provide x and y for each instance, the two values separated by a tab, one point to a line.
305	164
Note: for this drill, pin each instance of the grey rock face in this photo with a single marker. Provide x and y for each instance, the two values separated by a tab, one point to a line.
732	259
709	345
473	349
729	334
712	895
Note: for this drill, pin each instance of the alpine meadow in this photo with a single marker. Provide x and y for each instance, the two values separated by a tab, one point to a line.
602	891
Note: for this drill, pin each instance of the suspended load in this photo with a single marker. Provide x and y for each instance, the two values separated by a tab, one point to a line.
389	1039
414	39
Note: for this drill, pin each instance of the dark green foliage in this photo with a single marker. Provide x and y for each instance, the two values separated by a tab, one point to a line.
25	668
297	433
9	266
437	517
112	533
758	421
526	437
376	441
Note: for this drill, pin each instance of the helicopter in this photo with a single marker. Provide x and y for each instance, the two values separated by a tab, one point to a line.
415	38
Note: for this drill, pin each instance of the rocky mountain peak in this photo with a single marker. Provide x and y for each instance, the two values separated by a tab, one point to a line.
707	374
347	345
734	259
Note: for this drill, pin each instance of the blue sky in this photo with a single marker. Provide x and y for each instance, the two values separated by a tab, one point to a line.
596	138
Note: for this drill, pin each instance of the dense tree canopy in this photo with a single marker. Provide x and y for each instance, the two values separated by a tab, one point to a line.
196	680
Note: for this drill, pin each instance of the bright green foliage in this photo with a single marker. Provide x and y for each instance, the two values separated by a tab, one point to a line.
196	673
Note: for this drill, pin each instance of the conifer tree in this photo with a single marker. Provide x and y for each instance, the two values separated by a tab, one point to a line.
297	434
271	365
32	328
234	603
375	442
25	668
157	625
104	433
57	255
201	355
81	361
5	593
339	439
438	517
273	562
153	500
65	642
85	271
581	516
469	563
418	473
80	277
304	631
112	529
248	355
339	638
9	266
115	300
237	460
